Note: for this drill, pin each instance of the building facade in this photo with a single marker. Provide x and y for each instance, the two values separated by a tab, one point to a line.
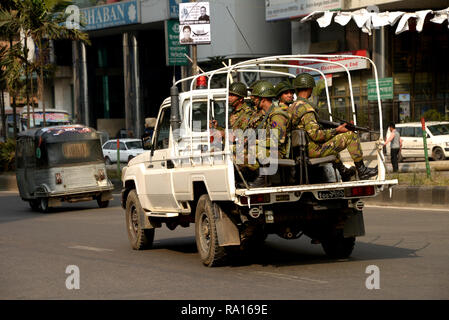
122	77
414	64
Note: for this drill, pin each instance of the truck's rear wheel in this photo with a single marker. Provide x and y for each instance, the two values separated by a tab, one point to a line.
206	233
138	237
338	247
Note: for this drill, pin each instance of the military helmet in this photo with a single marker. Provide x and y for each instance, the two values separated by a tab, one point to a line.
264	89
283	86
239	89
251	87
304	81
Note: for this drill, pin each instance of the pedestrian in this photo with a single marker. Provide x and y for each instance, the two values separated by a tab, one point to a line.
395	146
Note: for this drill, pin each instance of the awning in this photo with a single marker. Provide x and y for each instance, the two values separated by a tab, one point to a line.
368	20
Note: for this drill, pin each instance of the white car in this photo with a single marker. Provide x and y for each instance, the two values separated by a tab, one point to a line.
413	144
129	148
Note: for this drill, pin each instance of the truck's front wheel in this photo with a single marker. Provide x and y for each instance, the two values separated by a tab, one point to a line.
206	233
338	247
139	238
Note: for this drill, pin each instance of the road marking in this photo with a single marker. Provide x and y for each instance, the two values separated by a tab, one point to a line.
407	208
91	248
291	277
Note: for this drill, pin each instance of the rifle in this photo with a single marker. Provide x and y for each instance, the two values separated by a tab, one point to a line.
349	126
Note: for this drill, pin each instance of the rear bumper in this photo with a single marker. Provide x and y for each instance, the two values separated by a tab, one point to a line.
77	191
327	191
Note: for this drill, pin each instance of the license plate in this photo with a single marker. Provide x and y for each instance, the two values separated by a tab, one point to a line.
331	194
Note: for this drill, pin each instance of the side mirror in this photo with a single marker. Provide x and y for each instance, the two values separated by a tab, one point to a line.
146	142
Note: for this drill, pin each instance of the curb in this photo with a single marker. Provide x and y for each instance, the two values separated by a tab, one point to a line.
8	182
413	196
408	196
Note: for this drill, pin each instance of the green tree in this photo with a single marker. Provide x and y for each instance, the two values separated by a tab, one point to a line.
42	21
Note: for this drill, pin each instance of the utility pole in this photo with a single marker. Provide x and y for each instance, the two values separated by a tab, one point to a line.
194	55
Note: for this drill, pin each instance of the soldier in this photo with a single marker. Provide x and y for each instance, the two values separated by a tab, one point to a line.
322	143
285	92
241	112
269	117
252	102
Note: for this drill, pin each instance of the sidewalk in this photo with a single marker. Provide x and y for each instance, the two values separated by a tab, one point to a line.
370	159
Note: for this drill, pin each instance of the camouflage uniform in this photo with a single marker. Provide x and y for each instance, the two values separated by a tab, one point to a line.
240	116
323	142
277	119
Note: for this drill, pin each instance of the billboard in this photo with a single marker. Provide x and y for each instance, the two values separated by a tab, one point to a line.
287	9
194	23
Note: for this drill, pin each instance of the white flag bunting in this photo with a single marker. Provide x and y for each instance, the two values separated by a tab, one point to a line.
368	20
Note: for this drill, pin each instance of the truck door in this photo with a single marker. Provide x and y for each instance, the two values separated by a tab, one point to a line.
158	180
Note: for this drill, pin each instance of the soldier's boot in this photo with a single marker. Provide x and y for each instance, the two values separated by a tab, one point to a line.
260	181
365	172
345	173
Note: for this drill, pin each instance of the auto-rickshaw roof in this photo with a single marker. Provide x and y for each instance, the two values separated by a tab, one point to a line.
63	133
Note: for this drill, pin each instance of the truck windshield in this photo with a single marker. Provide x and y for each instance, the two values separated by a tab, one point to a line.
74	152
439	129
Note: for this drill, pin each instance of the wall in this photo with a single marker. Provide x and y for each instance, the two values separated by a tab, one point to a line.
263	38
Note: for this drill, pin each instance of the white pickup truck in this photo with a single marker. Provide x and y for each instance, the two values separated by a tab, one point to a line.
181	179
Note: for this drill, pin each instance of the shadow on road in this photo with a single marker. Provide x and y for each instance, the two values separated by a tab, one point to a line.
278	252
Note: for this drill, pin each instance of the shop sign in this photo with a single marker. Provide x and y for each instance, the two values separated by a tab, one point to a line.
175	52
111	15
385	88
288	9
174	8
194	21
352	63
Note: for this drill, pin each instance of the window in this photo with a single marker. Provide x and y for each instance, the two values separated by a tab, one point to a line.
122	146
134	145
108	146
199	115
71	152
163	130
408	132
418	132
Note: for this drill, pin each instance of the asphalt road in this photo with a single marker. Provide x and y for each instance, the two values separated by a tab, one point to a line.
409	246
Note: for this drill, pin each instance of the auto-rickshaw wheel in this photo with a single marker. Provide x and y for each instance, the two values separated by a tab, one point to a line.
34	204
43	205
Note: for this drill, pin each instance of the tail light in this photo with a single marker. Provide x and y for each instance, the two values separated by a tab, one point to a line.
360	191
257	198
58	178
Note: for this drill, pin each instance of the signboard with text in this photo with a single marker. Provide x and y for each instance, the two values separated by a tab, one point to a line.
194	21
352	63
287	9
111	15
175	52
385	88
